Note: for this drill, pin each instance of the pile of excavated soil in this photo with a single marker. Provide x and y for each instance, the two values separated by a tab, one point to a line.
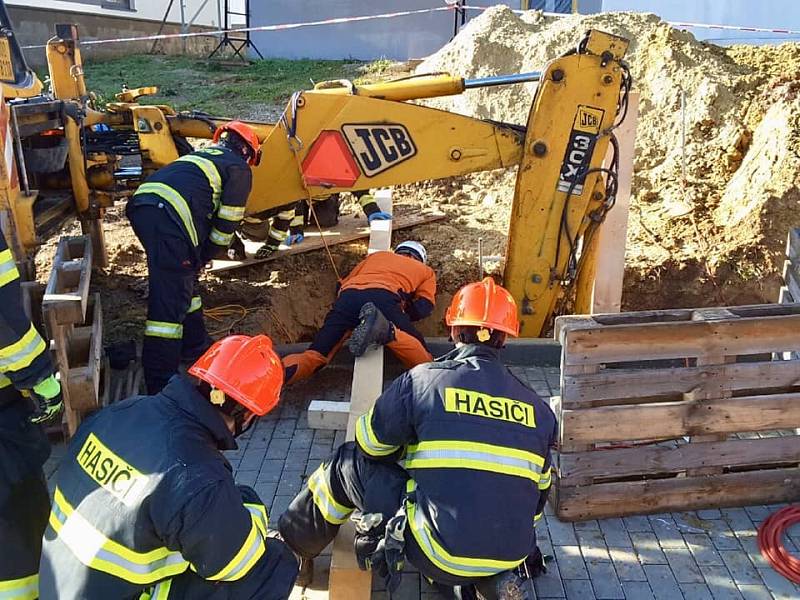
715	238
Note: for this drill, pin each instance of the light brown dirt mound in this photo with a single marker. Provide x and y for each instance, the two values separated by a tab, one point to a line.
715	238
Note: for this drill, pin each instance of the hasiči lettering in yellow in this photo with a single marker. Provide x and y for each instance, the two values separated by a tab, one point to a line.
479	404
110	471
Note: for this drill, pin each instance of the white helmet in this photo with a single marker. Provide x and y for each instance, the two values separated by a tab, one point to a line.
415	248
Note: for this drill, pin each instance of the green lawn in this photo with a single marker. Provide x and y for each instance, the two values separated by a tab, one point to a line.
219	89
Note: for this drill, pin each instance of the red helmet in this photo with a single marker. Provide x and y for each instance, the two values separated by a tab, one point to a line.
246	368
244	131
484	304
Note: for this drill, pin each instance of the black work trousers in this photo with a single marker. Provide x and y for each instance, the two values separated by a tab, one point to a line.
24	501
345	482
175	328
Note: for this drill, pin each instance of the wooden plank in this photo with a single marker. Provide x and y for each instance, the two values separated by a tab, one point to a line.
669	420
793	245
67	292
678	494
325	414
84	379
347	581
607	293
784	297
652	460
349	229
791	278
621	386
656	341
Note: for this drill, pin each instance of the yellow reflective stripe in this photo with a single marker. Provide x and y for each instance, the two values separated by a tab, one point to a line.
161	590
219	238
96	551
231	213
277	234
177	202
252	549
4	383
538	517
366	438
196	304
366	199
331	510
297	220
163	329
259	511
23	352
462	566
25	588
454	454
546	479
286	215
8	268
209	169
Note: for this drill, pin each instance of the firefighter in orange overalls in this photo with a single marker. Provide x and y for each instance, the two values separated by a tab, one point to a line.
377	303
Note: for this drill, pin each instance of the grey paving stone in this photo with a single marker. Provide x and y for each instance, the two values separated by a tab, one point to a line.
720	583
579	589
662	582
590	525
302	438
666	530
740	567
409	589
739	521
246	477
251	461
338	439
702	549
683	565
637	590
721	535
749	544
271	470
560	533
696	591
259	439
290	483
755	592
284	428
279	506
535	374
321	449
781	588
570	562
549	585
296	460
605	581
710	513
278	448
593	546
311	466
614	532
266	491
627	565
647	549
637	523
758	513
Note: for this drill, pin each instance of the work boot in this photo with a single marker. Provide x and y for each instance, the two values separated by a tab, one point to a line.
305	577
373	329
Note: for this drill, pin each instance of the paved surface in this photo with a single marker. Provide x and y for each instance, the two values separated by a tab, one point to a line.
701	555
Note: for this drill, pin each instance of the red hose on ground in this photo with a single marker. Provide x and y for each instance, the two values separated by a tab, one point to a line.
770	542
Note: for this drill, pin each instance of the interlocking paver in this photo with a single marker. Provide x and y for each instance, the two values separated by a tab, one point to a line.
637	523
740	567
271	470
721	535
666	530
739	521
615	534
720	583
755	592
278	448
709	513
662	582
246	477
290	483
593	546
627	564
750	545
637	590
781	588
251	460
279	506
702	549
549	585
591	525
579	589
266	491
284	428
647	549
570	562
605	581
696	591
683	565
560	533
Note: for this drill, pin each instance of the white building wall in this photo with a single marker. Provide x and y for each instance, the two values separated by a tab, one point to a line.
147	10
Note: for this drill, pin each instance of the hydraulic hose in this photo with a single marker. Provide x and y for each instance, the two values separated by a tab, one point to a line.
770	542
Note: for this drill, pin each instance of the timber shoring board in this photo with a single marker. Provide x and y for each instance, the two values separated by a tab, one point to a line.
636	386
349	229
790	291
67	292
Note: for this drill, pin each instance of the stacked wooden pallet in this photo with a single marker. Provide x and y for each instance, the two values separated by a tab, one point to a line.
74	322
790	292
677	410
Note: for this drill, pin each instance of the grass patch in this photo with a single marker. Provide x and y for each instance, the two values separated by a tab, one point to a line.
220	89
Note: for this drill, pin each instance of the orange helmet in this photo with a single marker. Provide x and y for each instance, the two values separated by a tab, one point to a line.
246	368
247	134
484	304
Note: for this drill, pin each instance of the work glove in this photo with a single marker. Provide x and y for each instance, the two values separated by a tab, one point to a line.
535	564
48	401
236	249
294	238
379	216
266	251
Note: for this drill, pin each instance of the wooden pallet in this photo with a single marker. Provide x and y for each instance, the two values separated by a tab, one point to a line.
677	410
790	291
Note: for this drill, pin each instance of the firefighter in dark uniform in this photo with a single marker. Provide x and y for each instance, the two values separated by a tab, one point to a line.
450	469
185	215
146	503
26	373
378	302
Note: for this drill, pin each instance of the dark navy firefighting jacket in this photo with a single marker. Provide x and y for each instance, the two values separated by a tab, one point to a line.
204	193
144	494
476	442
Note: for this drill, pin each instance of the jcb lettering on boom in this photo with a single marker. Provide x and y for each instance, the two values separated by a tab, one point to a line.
378	147
578	156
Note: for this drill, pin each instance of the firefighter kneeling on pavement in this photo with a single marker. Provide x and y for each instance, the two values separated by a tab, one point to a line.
185	215
450	469
145	504
377	304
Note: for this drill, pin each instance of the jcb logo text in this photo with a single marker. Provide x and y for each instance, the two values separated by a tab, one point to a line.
379	147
